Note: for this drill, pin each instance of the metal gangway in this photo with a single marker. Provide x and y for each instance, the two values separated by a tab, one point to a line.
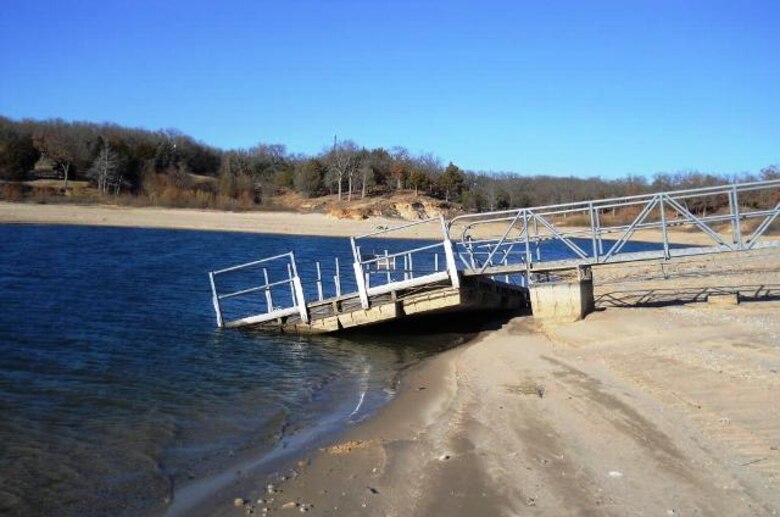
521	239
489	260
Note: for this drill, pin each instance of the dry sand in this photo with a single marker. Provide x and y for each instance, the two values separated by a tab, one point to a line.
670	410
289	223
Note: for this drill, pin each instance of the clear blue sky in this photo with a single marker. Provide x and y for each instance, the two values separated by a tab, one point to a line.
565	87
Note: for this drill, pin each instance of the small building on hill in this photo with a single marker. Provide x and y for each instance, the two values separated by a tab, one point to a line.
45	168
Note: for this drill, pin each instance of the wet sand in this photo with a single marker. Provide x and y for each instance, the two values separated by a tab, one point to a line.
668	410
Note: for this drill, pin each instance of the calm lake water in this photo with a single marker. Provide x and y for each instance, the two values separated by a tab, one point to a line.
116	389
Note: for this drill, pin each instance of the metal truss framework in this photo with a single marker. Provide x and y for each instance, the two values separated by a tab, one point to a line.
511	240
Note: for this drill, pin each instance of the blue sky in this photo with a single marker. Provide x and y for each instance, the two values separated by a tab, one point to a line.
562	87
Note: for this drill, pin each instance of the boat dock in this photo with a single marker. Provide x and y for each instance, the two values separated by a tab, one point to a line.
521	258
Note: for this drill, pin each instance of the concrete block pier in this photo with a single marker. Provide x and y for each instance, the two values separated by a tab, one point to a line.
563	301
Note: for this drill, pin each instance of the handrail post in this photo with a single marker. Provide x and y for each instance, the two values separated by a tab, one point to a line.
599	237
290	277
301	300
538	243
387	267
297	289
268	296
528	258
215	300
319	282
593	231
664	229
736	229
449	256
337	278
359	278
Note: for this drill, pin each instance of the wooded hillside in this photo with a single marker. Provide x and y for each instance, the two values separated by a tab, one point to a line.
169	168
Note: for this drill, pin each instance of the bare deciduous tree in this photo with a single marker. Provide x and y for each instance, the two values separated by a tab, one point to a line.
342	162
106	171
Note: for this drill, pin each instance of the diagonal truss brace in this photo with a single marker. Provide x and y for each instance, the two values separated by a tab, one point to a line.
759	231
615	249
698	222
558	235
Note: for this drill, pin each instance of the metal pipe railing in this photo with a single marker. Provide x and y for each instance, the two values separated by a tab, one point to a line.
639	198
293	281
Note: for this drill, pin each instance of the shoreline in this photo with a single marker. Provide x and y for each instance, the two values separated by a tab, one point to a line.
208	495
285	461
272	222
662	409
423	388
277	223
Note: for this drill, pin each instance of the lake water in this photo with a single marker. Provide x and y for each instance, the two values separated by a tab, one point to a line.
116	389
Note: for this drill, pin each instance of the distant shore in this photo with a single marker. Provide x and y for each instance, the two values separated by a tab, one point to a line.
285	223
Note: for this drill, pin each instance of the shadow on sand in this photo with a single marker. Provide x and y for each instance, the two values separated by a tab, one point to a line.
682	295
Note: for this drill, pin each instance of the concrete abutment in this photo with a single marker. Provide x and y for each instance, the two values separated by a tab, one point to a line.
564	301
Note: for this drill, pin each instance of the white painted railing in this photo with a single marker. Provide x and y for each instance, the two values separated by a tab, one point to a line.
384	266
271	312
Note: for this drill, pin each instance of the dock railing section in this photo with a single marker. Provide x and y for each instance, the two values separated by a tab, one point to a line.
593	232
382	271
278	292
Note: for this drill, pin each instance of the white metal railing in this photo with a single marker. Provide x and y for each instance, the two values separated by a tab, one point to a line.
272	311
384	266
489	240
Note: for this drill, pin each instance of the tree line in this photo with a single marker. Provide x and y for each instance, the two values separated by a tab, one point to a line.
169	167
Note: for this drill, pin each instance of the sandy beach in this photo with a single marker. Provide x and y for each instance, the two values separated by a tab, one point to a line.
667	410
288	223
